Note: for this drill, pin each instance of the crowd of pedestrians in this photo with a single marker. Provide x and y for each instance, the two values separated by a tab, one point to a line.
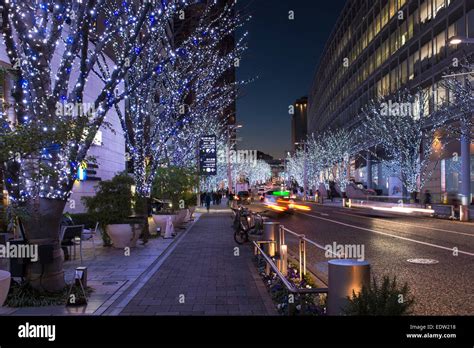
214	198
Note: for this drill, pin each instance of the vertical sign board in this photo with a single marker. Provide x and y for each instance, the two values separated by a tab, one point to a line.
208	155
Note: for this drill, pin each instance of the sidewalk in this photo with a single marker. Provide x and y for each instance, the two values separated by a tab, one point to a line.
110	274
202	276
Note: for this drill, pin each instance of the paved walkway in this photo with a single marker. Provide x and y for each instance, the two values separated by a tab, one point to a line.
202	276
110	274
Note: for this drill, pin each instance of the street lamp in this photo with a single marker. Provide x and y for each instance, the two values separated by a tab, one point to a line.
456	40
305	171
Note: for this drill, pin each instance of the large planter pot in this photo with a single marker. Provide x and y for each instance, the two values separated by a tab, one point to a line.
192	209
189	214
124	235
5	279
152	226
180	217
160	221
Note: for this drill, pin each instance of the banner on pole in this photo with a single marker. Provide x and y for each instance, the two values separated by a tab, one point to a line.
208	155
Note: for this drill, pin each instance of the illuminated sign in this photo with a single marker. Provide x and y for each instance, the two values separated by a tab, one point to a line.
82	172
208	155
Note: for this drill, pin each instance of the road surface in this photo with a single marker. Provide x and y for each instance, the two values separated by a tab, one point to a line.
388	241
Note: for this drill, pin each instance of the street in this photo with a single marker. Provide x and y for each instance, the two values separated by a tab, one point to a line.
389	240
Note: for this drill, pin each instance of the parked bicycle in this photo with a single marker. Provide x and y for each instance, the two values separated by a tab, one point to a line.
246	223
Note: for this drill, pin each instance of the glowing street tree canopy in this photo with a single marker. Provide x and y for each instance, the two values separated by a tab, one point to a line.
56	47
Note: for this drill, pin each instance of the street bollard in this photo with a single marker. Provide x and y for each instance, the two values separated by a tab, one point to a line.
344	277
280	239
302	256
284	259
271	233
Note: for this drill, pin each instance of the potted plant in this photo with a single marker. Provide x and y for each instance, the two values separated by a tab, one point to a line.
384	297
190	200
112	207
5	278
174	185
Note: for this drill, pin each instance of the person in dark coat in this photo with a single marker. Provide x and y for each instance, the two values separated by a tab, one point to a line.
427	198
208	202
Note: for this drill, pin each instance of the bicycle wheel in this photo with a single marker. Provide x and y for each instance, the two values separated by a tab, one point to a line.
240	236
236	222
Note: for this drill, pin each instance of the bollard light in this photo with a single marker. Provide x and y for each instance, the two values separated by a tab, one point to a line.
284	259
80	276
345	276
271	233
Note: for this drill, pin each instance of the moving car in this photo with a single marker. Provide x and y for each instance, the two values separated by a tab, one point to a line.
279	201
243	197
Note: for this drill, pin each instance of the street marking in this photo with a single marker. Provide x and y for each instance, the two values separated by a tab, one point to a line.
406	224
423	261
390	235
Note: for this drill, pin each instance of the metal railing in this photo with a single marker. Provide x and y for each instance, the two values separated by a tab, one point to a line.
290	287
343	277
302	247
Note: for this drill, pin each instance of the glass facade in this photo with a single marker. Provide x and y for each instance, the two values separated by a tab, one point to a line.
451	177
381	46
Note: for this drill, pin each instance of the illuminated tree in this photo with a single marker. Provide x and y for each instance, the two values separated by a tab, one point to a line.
57	46
459	108
183	99
404	126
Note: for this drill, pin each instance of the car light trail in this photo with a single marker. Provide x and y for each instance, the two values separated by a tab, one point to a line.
301	207
276	207
405	210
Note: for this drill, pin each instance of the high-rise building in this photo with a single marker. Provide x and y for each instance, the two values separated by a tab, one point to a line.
380	46
299	122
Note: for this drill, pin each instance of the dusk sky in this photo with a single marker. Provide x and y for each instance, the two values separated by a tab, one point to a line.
283	54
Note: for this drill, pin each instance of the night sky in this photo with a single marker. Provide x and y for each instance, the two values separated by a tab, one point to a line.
283	54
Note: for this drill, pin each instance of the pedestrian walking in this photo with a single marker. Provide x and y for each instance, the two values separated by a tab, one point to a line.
427	200
208	202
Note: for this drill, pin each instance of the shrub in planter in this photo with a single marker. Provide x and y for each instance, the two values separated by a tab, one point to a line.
387	298
112	204
190	199
175	184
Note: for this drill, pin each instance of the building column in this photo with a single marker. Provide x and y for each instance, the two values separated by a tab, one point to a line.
380	179
369	170
465	175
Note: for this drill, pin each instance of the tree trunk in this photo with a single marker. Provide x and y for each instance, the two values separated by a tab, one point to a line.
42	227
146	208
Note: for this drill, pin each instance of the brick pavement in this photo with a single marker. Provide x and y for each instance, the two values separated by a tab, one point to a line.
202	276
